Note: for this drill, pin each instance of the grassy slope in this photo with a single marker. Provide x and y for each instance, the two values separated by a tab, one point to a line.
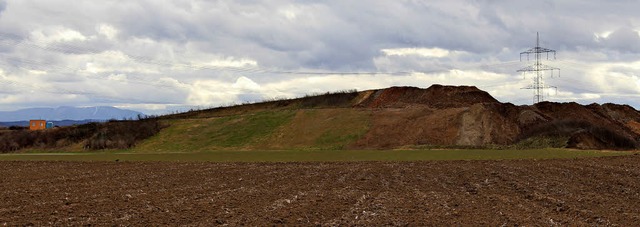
218	133
320	129
266	130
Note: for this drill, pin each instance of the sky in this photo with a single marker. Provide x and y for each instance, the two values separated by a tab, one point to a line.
158	56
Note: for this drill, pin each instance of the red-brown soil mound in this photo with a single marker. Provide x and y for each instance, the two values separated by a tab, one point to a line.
436	96
403	117
467	116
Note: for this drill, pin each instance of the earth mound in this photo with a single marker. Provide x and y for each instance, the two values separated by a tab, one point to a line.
391	118
467	116
436	96
411	117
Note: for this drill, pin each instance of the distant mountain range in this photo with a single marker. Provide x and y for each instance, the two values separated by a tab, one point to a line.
97	113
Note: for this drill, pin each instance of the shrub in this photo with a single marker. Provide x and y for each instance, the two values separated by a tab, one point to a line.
567	128
123	134
13	127
109	135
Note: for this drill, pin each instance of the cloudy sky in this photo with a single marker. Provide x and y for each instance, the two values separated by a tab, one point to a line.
160	56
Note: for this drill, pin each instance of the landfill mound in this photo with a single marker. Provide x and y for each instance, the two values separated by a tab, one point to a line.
392	118
436	96
453	116
468	116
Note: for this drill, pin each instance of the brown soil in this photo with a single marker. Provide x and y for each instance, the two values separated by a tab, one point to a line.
576	192
467	116
436	96
634	126
393	127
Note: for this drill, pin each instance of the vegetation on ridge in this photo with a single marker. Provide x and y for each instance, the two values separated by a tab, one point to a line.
116	134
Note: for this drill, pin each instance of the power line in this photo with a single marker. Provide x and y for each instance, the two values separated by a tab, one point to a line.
538	68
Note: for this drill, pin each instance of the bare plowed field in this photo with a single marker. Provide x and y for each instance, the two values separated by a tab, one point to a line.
588	191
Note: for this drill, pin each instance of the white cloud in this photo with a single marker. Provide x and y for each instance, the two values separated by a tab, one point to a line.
116	61
228	62
567	96
423	52
290	12
148	107
37	72
244	83
171	82
108	31
211	93
602	35
118	77
56	34
42	99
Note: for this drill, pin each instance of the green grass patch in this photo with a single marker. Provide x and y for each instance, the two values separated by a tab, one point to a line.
538	142
238	131
344	130
318	129
336	140
250	128
319	155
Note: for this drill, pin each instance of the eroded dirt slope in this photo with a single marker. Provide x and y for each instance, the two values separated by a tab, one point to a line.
576	192
468	116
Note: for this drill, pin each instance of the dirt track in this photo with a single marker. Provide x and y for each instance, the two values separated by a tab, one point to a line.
599	191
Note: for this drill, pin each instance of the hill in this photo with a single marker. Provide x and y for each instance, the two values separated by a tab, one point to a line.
392	118
401	117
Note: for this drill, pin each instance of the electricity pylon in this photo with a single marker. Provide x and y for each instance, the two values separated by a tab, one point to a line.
538	68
